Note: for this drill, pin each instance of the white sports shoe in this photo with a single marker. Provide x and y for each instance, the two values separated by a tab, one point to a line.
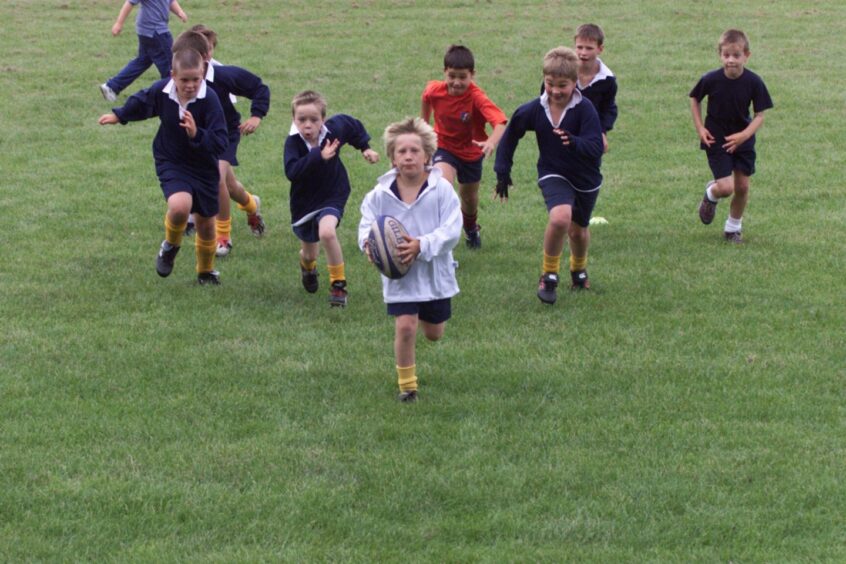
107	93
223	247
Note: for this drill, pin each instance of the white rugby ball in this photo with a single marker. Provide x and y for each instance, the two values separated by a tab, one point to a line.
386	233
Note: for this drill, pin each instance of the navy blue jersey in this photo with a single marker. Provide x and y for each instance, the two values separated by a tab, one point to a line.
728	104
315	183
578	162
226	80
173	151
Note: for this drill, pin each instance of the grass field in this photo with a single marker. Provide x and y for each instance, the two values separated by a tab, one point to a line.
690	407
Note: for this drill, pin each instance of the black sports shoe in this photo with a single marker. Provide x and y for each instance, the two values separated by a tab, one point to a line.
547	288
211	278
309	280
164	261
580	280
338	293
707	208
407	397
474	238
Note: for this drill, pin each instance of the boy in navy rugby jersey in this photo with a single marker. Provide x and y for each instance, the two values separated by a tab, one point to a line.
569	138
728	134
154	42
192	134
596	81
227	82
320	186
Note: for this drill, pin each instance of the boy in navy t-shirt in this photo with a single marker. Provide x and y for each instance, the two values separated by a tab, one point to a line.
569	138
728	134
191	136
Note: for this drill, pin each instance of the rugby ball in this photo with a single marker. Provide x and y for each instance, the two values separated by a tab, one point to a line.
386	233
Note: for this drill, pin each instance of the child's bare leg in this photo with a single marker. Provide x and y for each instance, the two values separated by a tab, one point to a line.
309	252
556	230
234	186
741	195
723	187
469	195
329	239
405	337
433	331
205	227
448	170
179	208
224	207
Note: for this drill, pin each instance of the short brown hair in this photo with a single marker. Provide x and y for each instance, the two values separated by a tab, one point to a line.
731	36
185	59
415	126
193	40
561	62
591	32
309	97
208	32
459	57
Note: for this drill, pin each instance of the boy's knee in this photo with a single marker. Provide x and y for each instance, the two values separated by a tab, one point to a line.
406	330
327	234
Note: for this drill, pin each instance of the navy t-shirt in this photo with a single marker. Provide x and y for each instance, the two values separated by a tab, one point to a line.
728	103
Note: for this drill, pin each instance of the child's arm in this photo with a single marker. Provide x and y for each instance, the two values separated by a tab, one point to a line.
514	131
210	136
352	131
177	9
488	146
122	15
108	119
298	166
242	82
444	238
696	110
735	140
425	110
368	216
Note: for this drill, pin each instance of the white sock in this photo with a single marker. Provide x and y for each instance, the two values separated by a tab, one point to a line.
710	194
733	225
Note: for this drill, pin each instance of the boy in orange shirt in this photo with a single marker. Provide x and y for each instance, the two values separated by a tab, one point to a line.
461	111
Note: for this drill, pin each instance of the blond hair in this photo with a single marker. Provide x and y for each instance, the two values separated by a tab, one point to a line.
414	126
309	97
561	62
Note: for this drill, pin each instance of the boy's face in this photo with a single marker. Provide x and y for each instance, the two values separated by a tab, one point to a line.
187	82
559	89
458	80
734	57
309	120
409	156
587	50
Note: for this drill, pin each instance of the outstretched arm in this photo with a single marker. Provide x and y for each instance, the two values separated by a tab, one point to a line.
425	111
177	9
122	15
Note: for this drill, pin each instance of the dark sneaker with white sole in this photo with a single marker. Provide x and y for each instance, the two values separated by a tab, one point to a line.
474	238
338	293
735	237
165	258
707	208
547	288
407	397
579	280
211	278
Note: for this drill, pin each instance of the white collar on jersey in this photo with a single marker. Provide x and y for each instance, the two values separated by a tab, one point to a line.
170	90
574	99
320	138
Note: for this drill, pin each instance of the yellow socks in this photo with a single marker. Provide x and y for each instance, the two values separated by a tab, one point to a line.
308	265
578	263
173	233
336	272
551	264
223	228
205	253
407	378
251	205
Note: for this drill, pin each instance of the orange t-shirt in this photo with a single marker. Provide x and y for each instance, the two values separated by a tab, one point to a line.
459	120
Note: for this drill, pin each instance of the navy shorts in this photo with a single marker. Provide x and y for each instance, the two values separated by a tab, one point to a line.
469	172
723	164
204	198
310	230
230	154
558	191
436	311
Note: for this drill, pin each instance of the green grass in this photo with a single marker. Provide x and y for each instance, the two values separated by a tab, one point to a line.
689	408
